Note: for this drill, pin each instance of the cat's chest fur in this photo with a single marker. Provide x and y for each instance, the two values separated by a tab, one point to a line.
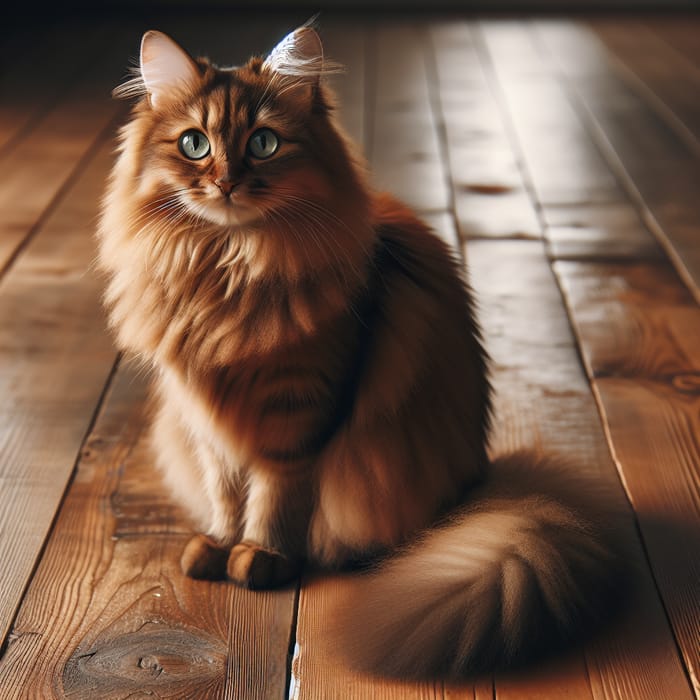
268	368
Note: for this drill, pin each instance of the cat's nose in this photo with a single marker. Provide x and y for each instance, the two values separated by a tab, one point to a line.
226	186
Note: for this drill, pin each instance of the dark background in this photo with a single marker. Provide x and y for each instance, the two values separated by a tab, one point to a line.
56	10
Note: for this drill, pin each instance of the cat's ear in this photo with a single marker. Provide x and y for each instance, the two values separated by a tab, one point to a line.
298	58
165	66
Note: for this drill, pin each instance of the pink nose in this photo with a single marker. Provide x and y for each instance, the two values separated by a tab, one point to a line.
226	186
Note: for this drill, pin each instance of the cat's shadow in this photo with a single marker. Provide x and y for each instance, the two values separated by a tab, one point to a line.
648	607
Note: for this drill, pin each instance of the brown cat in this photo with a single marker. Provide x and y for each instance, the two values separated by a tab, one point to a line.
322	390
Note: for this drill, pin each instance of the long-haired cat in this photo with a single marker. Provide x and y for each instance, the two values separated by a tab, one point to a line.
322	391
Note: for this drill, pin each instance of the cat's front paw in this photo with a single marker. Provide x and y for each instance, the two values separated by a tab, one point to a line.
254	567
202	558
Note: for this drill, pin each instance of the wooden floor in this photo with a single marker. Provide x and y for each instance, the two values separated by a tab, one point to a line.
559	156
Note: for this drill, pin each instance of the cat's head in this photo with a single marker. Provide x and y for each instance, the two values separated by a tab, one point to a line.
236	146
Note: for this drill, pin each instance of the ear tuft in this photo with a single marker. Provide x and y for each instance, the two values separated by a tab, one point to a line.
165	66
299	54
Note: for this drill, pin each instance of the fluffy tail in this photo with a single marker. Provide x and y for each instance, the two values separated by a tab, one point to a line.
527	565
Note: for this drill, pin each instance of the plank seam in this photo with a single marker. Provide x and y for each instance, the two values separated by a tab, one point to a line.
73	176
637	84
680	55
609	154
494	84
637	526
291	684
24	130
602	143
5	643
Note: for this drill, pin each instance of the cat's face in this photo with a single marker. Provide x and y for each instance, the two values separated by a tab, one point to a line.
239	146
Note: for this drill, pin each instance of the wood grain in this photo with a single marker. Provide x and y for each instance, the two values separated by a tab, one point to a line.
633	320
43	71
405	152
37	173
605	231
319	671
54	360
667	82
639	334
680	33
543	401
654	164
109	614
662	479
489	193
635	324
566	171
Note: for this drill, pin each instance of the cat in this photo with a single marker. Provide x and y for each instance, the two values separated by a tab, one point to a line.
321	386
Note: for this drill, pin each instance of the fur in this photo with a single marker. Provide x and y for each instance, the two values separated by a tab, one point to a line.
527	566
320	383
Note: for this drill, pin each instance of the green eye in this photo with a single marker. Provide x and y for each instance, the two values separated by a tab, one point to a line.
263	143
194	144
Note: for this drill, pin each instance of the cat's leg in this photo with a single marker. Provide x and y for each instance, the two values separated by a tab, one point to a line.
193	475
222	486
205	556
275	524
175	456
373	494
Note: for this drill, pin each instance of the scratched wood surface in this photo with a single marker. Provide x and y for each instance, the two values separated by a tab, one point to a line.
558	157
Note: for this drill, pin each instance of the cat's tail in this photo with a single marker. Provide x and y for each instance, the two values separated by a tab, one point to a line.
526	566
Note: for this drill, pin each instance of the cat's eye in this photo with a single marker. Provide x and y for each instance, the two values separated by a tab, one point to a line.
194	144
263	143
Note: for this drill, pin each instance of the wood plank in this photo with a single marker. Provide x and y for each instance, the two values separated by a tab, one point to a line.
489	193
543	401
605	231
634	321
42	69
54	357
639	332
617	666
36	174
663	440
557	175
667	82
320	672
109	613
628	322
679	32
519	427
654	164
350	44
405	151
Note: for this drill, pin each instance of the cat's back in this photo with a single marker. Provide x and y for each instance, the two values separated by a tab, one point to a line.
428	272
426	352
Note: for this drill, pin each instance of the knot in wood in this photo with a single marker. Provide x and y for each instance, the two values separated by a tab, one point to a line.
687	383
151	662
